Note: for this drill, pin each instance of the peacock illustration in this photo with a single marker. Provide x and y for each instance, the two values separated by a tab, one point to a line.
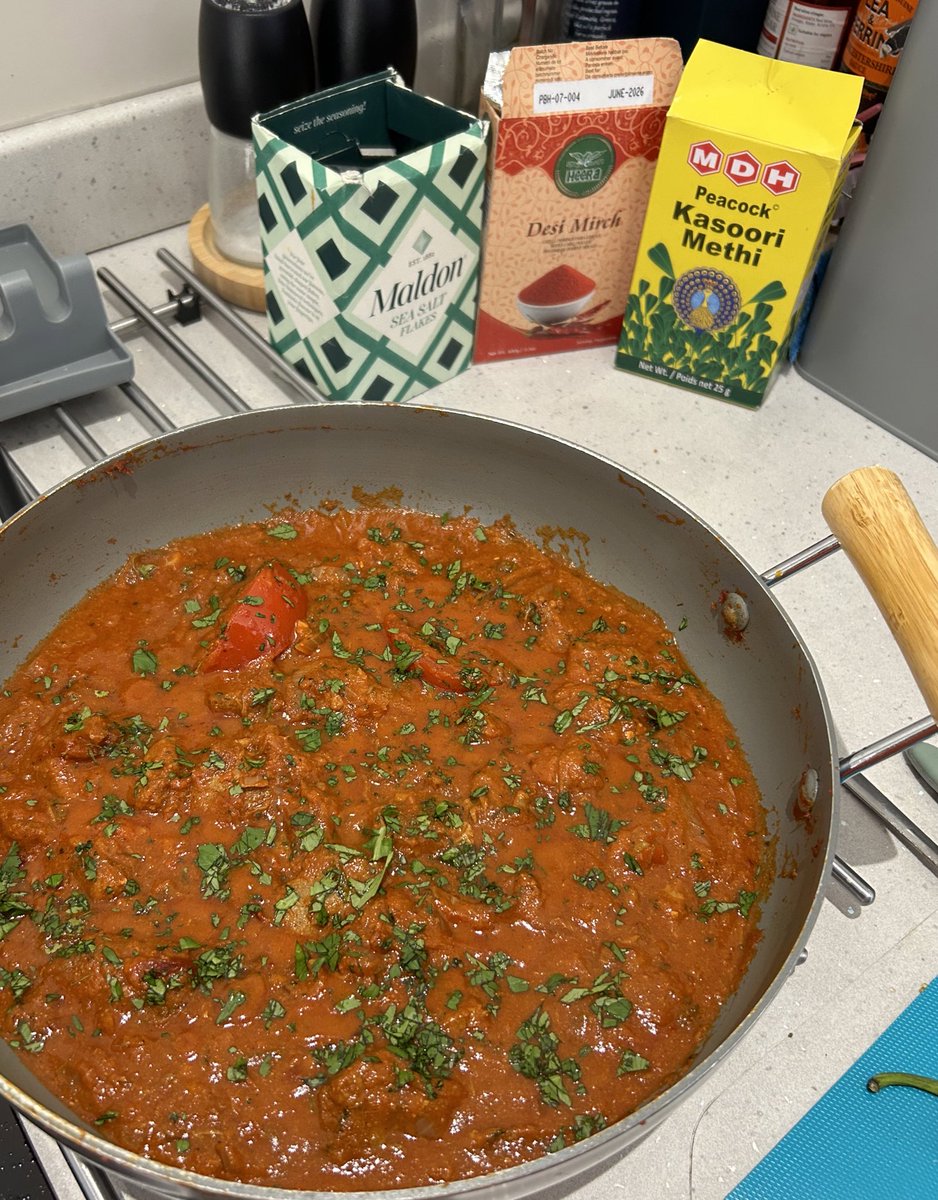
705	299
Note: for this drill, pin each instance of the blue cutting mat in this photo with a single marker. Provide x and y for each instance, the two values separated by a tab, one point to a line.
854	1145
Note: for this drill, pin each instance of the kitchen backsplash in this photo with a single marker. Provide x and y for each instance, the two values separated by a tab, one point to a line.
107	174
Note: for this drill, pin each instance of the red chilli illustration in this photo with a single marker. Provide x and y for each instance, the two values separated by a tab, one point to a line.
555	303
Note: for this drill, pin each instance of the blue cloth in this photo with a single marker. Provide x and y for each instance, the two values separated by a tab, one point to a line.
857	1145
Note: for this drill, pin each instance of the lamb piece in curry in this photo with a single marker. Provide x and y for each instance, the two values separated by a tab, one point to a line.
363	850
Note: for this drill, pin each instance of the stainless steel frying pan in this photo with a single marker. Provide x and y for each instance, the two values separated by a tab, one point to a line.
630	534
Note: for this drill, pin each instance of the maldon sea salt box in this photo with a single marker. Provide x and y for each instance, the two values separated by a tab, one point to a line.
370	205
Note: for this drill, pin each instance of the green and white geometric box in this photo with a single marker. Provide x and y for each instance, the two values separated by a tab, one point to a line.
370	205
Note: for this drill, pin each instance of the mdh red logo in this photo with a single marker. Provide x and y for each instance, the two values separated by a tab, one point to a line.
779	178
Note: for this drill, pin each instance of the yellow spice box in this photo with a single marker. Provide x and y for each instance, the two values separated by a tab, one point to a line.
752	161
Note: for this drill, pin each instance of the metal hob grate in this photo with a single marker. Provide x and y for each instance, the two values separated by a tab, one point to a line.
64	437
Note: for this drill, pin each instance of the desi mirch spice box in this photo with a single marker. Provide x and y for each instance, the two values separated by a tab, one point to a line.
575	135
751	167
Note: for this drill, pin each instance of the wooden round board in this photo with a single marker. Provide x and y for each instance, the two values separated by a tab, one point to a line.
232	281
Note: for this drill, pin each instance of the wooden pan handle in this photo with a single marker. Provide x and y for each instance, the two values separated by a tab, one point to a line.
873	517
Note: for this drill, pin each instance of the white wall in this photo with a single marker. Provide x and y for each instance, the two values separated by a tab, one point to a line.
58	56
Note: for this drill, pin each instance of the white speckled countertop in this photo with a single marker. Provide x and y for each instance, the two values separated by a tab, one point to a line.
757	477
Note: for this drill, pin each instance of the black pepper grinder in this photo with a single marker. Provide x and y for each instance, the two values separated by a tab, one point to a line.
362	37
253	56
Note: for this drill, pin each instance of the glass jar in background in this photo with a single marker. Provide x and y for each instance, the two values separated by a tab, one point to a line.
812	34
232	198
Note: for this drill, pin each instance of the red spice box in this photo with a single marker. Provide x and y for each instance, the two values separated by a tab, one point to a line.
575	135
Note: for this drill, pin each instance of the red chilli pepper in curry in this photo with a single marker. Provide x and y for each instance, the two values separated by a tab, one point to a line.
365	850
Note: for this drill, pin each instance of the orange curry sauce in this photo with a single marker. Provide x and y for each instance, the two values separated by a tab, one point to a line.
365	850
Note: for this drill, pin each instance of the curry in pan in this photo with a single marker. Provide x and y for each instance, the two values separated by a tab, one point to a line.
364	849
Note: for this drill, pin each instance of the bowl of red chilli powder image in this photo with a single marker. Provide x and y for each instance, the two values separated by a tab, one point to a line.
558	296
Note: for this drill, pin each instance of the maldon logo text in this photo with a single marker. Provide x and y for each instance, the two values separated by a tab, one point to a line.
423	285
743	167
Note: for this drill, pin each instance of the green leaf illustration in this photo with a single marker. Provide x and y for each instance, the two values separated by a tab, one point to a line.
662	259
772	291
